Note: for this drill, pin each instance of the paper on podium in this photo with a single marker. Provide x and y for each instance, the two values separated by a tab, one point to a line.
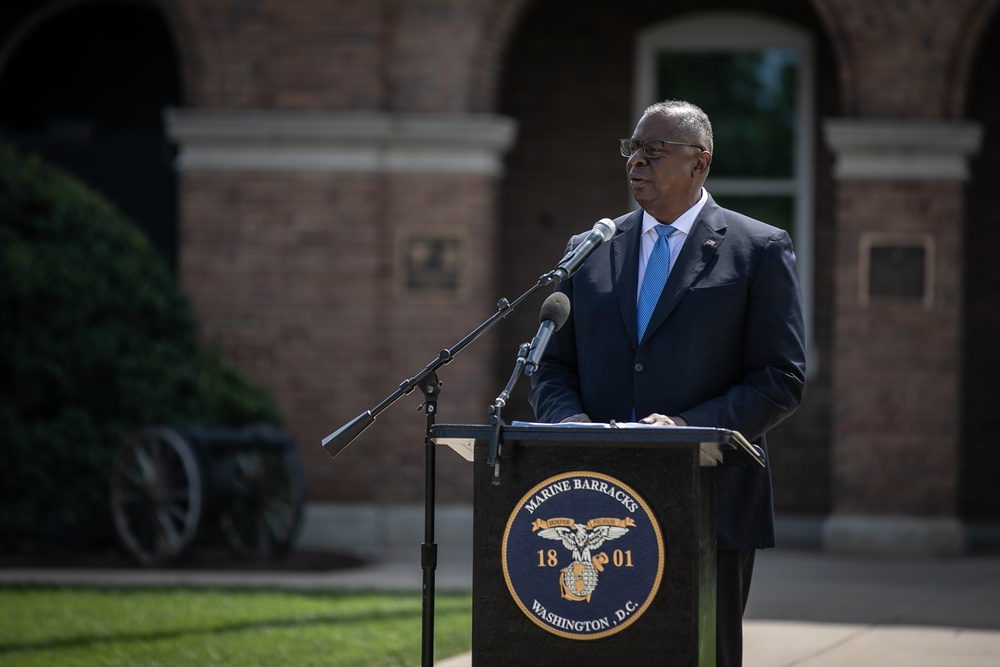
710	454
593	424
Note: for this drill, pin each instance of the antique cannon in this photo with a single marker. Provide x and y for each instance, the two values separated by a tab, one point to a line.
167	481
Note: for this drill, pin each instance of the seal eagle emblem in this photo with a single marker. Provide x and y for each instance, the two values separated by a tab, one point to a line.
583	555
579	578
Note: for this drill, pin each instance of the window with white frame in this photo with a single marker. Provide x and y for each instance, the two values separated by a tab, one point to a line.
753	76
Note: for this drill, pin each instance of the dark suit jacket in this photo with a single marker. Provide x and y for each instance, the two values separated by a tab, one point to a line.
724	348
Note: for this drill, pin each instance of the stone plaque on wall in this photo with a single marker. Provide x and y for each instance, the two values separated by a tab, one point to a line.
896	269
429	262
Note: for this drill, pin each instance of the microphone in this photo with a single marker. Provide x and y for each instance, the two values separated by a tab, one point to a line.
554	313
603	230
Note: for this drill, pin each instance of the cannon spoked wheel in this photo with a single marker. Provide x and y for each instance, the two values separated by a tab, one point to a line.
262	505
156	496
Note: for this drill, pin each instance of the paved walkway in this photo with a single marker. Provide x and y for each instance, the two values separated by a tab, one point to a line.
807	609
817	610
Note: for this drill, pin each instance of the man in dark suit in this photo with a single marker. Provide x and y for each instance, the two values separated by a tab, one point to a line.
724	345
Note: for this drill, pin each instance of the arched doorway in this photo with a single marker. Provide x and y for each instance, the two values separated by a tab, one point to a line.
84	85
573	95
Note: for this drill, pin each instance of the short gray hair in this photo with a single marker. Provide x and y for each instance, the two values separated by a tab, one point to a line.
690	118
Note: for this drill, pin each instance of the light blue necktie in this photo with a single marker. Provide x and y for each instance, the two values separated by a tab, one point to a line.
654	279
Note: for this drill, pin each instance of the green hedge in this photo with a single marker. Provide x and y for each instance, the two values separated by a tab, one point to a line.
96	340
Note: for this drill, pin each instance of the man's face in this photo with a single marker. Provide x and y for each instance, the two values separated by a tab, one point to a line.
666	186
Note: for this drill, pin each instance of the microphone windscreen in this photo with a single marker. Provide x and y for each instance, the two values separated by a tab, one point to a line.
606	228
555	308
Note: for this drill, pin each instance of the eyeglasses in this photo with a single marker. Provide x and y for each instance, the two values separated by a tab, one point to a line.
652	148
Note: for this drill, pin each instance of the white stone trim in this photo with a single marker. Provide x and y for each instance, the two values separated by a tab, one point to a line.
902	149
385	531
263	140
897	536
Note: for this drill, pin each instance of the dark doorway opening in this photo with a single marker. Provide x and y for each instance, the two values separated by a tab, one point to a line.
979	493
85	88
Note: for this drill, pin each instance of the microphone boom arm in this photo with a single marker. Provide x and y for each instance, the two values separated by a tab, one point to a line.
337	441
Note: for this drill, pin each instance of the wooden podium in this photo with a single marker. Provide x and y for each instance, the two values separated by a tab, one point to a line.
597	546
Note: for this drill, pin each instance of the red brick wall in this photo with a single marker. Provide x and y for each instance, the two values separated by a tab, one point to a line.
896	379
438	51
289	54
293	275
361	55
900	59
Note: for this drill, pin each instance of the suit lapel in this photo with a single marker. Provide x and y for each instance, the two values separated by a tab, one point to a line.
707	235
625	268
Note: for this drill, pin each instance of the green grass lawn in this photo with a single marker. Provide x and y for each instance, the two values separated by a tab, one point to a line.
60	627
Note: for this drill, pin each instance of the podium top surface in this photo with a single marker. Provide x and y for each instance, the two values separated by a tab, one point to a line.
717	445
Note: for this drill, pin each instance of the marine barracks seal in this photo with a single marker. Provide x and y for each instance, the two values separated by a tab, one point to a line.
583	555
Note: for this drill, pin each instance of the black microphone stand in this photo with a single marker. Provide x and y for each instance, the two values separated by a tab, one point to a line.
429	384
493	458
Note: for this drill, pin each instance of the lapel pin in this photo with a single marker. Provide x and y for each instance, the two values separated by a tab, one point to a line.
710	243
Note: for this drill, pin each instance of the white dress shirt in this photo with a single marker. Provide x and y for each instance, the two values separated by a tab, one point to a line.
683	226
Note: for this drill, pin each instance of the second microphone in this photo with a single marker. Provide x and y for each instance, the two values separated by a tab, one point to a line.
553	314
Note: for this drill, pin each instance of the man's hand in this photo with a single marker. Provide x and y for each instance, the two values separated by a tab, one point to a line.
575	418
656	419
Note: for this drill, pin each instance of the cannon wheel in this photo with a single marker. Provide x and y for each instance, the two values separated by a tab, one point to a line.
261	512
156	496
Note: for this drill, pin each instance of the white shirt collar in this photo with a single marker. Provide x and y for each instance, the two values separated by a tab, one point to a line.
684	221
